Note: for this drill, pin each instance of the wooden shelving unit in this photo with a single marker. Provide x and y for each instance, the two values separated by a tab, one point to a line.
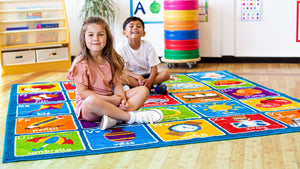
34	36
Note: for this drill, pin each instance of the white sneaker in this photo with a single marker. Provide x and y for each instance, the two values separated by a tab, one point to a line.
107	122
148	116
126	87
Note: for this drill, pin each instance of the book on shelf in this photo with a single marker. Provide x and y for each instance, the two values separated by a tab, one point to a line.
34	14
22	15
47	25
17	38
47	36
17	28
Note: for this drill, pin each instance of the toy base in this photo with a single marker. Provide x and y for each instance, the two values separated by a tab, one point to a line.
190	62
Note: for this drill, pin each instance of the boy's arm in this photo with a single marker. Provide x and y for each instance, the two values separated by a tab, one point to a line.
139	78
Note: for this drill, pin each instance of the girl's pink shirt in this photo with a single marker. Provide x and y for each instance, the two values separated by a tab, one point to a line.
97	78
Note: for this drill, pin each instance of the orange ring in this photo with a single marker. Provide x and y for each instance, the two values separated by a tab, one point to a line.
181	25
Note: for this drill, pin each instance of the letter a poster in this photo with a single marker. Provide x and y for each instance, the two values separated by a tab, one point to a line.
151	11
251	10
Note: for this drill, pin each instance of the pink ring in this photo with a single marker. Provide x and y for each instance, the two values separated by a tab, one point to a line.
181	5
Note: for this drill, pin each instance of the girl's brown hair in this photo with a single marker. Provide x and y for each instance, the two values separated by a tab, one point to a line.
116	61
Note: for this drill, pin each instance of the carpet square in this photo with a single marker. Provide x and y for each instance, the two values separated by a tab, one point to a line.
46	144
119	137
246	123
187	87
185	130
221	109
228	83
201	97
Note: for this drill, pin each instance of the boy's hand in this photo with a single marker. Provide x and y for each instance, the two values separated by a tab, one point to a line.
147	83
140	80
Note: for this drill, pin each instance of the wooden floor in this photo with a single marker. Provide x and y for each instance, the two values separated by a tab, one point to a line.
268	152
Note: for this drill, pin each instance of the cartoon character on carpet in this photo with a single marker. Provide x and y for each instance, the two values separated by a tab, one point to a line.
118	135
35	88
212	75
247	92
204	96
227	83
185	86
50	140
48	107
181	129
243	122
45	122
41	97
156	100
272	103
172	112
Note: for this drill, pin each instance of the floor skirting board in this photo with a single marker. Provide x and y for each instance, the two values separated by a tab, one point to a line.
233	59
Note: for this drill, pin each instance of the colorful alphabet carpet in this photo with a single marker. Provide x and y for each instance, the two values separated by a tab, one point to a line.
200	107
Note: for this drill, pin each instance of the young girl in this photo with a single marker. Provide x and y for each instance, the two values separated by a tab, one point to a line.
96	72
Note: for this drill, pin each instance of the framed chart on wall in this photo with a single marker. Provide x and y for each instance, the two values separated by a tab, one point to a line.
251	10
298	22
151	11
203	11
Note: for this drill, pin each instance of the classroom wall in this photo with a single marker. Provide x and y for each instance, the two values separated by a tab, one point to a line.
274	35
154	32
223	34
209	32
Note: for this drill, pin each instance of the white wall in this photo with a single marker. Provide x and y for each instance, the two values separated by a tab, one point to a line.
154	32
209	32
274	35
223	34
227	24
73	8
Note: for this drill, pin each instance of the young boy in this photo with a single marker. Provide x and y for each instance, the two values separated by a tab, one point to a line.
140	57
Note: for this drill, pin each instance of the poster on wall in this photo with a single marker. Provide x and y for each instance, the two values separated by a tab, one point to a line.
203	11
298	22
150	11
251	10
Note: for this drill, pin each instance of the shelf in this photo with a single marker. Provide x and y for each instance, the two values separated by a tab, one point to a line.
31	10
15	47
34	29
15	1
31	20
36	67
37	46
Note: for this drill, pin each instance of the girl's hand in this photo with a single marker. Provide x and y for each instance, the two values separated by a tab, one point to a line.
116	99
124	105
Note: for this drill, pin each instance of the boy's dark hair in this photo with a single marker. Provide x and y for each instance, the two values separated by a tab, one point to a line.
133	18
